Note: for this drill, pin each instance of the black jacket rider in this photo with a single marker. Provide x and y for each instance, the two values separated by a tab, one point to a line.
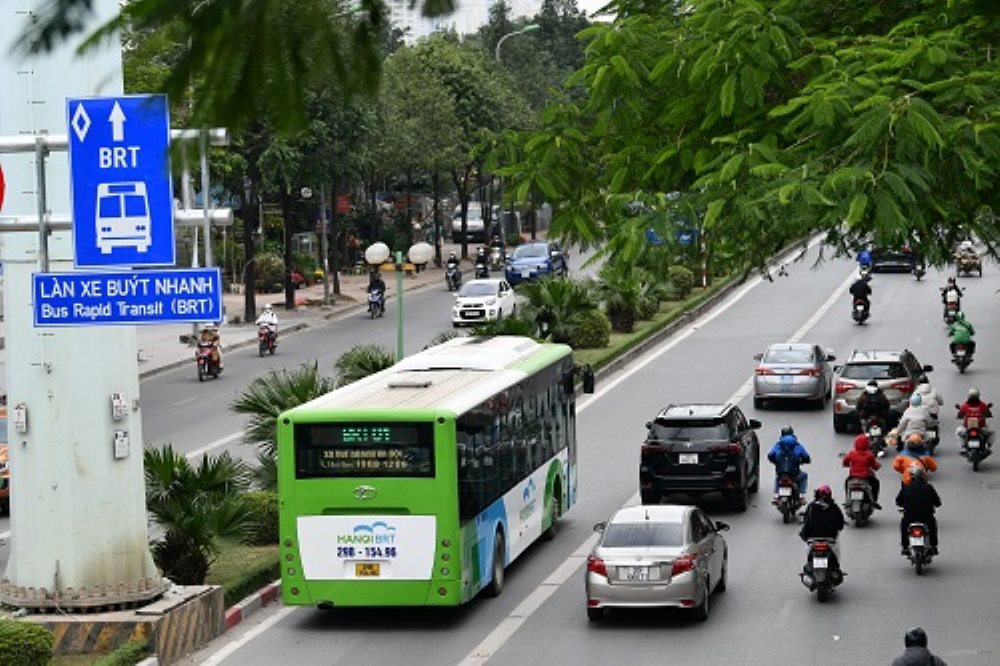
918	499
823	520
861	291
874	404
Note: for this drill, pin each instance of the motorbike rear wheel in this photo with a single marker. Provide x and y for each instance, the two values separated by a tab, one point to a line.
823	593
201	372
262	347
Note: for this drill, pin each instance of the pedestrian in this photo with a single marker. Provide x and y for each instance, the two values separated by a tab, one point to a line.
916	652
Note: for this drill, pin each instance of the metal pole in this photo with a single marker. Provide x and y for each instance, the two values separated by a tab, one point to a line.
206	196
322	245
186	202
43	226
399	306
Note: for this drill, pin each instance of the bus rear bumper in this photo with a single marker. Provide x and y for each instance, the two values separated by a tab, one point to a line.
356	594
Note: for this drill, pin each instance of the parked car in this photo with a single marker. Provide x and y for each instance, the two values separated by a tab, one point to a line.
793	370
535	259
475	225
483	300
700	448
895	371
889	260
656	556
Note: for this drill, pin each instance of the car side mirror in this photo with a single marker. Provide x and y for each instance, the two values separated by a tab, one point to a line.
928	368
758	357
754	424
831	357
721	526
599	527
958	406
838	368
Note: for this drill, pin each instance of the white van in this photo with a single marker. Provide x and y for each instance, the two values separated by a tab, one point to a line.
475	225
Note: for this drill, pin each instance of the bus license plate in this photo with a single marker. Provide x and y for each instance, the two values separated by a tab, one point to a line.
367	569
687	458
636	574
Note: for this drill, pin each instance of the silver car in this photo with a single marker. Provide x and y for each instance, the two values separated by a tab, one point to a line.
793	370
653	556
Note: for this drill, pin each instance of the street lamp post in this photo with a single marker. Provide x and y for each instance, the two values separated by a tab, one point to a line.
419	253
528	28
306	194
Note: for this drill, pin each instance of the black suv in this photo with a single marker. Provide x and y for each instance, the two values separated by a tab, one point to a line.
700	448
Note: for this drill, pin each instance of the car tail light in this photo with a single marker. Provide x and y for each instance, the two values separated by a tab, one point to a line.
596	565
650	447
810	372
843	387
764	371
906	386
916	531
682	564
732	449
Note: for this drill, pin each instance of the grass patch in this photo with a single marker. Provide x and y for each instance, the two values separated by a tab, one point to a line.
75	659
242	570
669	312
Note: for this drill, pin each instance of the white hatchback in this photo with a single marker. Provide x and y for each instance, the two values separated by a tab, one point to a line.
483	300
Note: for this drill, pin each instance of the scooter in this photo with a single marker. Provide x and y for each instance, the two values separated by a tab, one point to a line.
788	501
267	340
918	551
952	305
864	271
860	504
919	271
876	436
496	258
961	356
975	441
822	571
453	277
206	366
859	311
482	271
376	304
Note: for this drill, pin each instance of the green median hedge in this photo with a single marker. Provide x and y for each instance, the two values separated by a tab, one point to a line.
24	644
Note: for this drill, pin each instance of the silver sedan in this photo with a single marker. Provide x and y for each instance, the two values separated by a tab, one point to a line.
793	370
652	556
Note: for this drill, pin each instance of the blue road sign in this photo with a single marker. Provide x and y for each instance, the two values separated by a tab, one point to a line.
127	297
120	186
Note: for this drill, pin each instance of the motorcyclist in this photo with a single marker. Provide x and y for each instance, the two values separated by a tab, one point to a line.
482	262
861	291
918	500
376	284
210	334
497	242
823	519
269	319
873	403
929	397
951	291
863	464
864	258
916	418
967	249
974	408
913	456
961	332
788	455
916	653
452	260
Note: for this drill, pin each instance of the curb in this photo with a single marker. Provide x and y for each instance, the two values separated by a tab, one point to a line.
251	604
149	661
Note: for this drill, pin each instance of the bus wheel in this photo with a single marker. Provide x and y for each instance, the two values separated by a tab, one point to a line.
495	586
555	511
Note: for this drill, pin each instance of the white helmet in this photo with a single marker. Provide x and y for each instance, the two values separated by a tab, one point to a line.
267	306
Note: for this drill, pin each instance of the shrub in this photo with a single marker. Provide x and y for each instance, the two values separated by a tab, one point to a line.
513	240
516	325
648	307
263	505
682	280
360	361
590	330
24	644
126	654
270	271
443	336
250	581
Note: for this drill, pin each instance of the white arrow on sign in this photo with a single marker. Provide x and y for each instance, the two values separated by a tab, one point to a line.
117	120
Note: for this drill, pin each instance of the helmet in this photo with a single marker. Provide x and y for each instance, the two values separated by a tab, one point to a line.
973	393
915	400
871	387
268	306
824	491
451	255
787	430
918	473
915	637
951	280
481	250
923	379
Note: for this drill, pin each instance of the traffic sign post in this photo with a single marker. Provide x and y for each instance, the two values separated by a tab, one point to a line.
121	190
127	297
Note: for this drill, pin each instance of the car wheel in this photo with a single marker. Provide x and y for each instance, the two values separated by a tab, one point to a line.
700	612
649	496
724	576
595	614
739	500
758	403
5	506
755	486
495	586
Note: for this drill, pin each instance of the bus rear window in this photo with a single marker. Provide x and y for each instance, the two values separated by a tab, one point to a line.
364	449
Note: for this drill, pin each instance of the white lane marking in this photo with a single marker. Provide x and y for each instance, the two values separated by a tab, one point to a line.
185	401
509	625
251	634
823	309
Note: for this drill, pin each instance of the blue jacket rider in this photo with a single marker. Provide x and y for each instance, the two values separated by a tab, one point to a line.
788	455
865	257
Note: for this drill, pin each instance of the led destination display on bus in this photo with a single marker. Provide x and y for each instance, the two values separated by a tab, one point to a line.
364	449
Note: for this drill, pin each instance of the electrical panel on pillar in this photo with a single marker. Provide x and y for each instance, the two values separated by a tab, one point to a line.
21	418
119	406
121	444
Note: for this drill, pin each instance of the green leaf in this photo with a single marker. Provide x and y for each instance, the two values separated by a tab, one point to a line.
727	96
732	167
768	170
856	211
618	180
936	55
713	212
823	114
786	192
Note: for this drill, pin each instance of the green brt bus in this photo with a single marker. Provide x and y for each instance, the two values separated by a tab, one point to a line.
419	484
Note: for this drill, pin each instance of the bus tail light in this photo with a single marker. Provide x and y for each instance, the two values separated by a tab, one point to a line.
294	591
291	571
443	591
445	571
289	543
446	543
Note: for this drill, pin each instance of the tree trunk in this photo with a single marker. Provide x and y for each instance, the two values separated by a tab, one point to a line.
461	183
251	220
373	193
332	245
409	208
286	214
436	185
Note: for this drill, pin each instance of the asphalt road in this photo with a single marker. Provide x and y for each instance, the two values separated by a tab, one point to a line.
766	616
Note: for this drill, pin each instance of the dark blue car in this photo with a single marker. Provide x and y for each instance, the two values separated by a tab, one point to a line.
534	260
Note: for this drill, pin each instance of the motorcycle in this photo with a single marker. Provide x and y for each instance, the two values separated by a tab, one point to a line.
453	277
876	436
860	504
859	311
951	307
267	340
961	356
918	551
822	572
207	367
482	271
496	258
376	304
975	441
919	271
788	501
864	271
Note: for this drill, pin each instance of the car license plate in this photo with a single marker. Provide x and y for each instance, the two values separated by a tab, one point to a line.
687	458
973	443
636	574
876	431
367	569
785	491
525	274
916	541
857	494
820	563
